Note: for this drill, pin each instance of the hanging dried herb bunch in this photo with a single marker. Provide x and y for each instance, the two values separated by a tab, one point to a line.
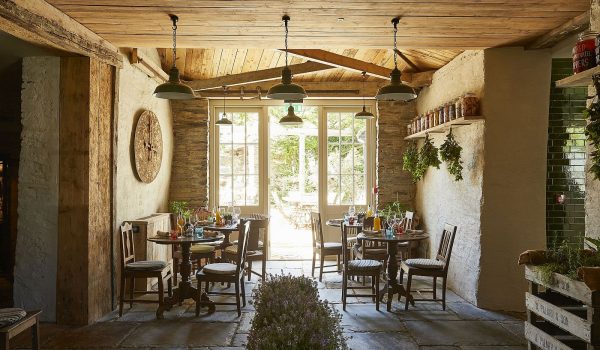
428	156
411	160
450	153
592	130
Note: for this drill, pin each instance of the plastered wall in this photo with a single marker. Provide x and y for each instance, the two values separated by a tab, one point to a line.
36	252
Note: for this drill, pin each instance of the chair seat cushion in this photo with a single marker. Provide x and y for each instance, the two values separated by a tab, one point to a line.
11	316
364	265
260	244
146	265
233	249
332	245
202	248
425	263
220	269
371	252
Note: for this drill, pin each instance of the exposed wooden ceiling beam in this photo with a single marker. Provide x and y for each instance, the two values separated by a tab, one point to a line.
412	79
572	26
256	76
351	90
407	60
140	60
40	23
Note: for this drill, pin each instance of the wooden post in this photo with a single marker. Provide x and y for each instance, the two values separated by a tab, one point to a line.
84	221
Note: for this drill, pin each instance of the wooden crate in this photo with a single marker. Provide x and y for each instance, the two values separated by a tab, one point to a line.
561	315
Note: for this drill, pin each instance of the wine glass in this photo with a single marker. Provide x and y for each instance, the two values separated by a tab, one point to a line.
180	222
236	213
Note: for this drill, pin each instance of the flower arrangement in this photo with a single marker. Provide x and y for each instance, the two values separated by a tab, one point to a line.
289	315
450	153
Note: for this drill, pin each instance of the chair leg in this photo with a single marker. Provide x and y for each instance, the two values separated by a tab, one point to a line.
344	292
339	264
121	295
237	298
131	287
5	345
170	286
313	264
444	293
408	282
264	268
175	270
198	297
373	288
249	269
321	267
161	297
35	335
377	292
434	287
401	279
243	292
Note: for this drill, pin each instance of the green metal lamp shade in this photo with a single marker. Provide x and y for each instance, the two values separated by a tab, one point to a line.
224	121
364	114
291	118
286	90
174	89
395	90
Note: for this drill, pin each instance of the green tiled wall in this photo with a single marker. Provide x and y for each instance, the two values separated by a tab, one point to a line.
566	158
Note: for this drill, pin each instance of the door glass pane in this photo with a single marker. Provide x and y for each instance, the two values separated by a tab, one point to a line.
238	160
346	159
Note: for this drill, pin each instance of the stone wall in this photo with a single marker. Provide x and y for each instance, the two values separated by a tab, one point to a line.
189	177
394	183
439	198
36	253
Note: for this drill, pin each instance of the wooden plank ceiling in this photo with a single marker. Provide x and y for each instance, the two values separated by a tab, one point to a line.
357	24
199	64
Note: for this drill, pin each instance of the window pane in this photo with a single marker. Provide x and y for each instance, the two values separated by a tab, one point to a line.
333	159
252	190
239	156
359	159
333	190
224	134
224	159
239	190
347	189
225	189
360	190
346	156
252	128
251	159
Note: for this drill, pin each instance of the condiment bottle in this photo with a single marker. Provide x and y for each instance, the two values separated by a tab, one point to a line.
376	222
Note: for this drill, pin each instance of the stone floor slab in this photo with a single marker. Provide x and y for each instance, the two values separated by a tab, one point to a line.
461	333
364	318
467	311
180	333
359	341
105	334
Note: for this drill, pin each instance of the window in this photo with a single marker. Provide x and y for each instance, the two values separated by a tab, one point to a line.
346	159
238	160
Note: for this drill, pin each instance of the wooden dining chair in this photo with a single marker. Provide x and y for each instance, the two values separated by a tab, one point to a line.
371	250
259	228
131	269
323	248
404	248
358	268
226	273
435	268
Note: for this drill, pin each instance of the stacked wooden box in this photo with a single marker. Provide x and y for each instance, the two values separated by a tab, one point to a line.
563	314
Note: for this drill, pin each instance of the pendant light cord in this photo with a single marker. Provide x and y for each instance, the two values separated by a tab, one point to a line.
174	19
224	96
395	21
286	41
364	74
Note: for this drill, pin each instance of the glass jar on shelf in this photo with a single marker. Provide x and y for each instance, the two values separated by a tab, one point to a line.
470	105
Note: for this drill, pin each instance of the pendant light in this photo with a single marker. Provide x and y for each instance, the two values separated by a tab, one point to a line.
364	114
395	90
174	89
224	120
286	90
291	119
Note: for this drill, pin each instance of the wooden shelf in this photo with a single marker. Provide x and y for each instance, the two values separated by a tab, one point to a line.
580	79
442	128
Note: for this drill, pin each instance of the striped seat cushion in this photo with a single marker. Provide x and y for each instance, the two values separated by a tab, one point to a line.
425	263
10	316
332	245
202	248
219	269
233	249
364	265
146	265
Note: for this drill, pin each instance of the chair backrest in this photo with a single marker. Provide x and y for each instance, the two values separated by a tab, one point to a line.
127	247
345	253
408	220
257	226
317	229
446	243
244	230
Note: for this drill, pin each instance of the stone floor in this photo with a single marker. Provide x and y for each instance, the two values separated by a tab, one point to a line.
425	326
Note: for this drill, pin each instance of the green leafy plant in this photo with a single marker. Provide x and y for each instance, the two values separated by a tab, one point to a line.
592	130
177	207
428	157
393	208
411	160
450	153
289	315
566	257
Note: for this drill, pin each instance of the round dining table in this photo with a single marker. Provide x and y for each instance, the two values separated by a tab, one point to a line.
392	286
225	230
184	289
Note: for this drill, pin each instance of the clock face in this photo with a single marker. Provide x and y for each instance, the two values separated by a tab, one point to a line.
147	147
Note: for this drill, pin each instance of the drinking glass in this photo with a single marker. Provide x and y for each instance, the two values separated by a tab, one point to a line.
236	213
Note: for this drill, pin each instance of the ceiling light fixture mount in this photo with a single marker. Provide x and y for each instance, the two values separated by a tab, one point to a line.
286	90
396	90
364	114
174	89
224	120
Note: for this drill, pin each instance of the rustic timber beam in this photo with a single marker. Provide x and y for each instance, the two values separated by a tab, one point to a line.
256	76
340	61
141	61
572	26
40	23
407	60
352	89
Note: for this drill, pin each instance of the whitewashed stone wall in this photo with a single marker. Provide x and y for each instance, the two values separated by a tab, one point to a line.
36	252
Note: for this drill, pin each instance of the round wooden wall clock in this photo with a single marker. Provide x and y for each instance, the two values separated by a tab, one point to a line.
147	147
